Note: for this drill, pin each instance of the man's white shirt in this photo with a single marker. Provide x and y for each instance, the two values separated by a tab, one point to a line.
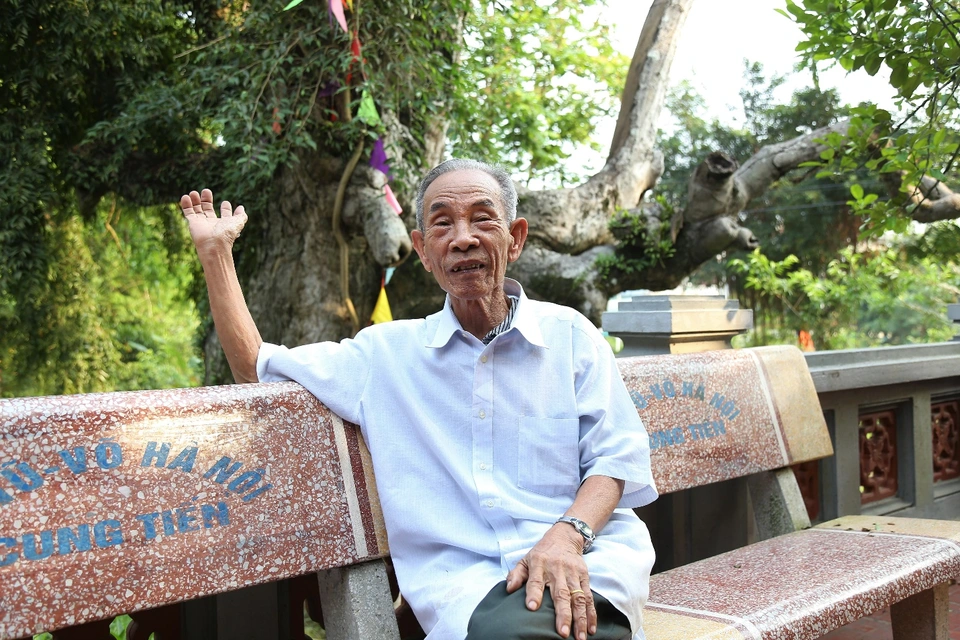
479	449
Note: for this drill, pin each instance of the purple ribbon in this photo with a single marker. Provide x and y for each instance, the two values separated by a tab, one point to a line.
378	158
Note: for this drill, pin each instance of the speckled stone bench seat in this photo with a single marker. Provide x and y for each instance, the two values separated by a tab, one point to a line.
804	584
114	503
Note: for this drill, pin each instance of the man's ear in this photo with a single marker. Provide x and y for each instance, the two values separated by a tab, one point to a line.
417	238
518	231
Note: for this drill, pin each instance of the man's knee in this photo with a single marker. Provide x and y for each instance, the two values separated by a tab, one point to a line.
503	616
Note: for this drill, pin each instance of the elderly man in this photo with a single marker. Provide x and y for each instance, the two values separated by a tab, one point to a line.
507	449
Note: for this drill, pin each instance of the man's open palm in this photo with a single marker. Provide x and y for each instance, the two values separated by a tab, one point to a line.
206	229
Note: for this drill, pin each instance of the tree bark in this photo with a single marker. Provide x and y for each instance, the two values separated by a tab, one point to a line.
929	201
707	226
292	282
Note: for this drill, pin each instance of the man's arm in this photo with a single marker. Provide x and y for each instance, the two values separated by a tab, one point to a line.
213	238
557	560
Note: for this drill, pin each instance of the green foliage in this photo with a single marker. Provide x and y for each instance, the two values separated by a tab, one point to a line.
535	79
65	66
642	242
111	313
860	300
118	627
940	241
919	44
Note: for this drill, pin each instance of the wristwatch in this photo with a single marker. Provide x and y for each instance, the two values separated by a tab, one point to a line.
582	528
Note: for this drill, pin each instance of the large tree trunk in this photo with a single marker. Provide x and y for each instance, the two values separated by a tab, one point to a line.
293	281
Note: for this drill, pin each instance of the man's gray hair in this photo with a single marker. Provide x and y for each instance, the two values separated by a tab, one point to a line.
508	191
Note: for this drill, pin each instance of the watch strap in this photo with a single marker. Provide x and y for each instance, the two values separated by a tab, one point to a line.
582	528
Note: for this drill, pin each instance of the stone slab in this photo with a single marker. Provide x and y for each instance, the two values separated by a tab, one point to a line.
802	585
862	368
719	415
112	503
660	623
667	303
700	321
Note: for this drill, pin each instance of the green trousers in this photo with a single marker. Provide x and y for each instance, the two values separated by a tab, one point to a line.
503	616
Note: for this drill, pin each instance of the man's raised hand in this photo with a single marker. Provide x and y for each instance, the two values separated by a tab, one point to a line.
213	238
209	232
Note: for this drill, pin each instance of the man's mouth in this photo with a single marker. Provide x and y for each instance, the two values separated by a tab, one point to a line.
467	267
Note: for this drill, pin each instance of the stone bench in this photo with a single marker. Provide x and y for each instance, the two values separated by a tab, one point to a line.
113	503
754	413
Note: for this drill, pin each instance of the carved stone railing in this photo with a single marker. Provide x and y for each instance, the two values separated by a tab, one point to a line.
893	418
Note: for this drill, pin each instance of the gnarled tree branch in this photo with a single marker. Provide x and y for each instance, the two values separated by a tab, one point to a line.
573	220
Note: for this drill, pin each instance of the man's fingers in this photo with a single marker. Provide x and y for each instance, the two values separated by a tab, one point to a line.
206	203
186	205
584	613
226	209
563	603
517	575
535	586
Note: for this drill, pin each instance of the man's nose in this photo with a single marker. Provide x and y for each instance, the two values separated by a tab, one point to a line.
464	238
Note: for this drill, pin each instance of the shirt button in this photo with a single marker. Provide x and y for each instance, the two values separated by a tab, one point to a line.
483	414
489	503
483	466
483	359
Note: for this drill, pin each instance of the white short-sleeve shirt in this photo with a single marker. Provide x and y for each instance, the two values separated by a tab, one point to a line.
479	449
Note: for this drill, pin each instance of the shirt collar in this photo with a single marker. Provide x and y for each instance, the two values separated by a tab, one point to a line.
524	321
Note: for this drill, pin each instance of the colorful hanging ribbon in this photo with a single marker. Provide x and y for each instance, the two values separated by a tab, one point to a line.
336	8
381	310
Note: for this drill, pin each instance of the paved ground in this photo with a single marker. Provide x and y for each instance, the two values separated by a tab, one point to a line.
878	626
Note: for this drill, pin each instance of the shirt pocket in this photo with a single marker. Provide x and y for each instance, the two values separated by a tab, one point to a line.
549	455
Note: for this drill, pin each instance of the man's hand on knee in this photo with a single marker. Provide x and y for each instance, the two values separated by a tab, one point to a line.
556	562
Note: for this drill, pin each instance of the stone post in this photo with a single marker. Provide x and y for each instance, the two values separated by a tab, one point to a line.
650	325
697	523
953	313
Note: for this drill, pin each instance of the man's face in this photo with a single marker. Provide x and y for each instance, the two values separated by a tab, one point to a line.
466	242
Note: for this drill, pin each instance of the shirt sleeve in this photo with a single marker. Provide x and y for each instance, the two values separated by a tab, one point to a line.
336	373
613	440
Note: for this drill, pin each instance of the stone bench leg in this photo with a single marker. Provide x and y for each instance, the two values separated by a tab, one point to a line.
356	603
777	503
923	616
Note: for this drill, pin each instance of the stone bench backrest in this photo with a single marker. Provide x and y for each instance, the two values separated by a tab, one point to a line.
719	415
118	502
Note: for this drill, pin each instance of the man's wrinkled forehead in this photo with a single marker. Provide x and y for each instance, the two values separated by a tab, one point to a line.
482	203
474	187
